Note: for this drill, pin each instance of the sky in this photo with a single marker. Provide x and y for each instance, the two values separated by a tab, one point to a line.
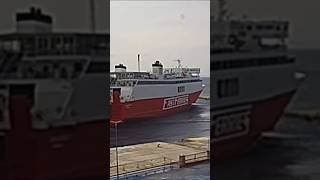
160	30
171	17
74	14
69	15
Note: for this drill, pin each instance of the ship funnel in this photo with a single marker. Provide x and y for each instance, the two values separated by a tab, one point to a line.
33	21
120	68
157	68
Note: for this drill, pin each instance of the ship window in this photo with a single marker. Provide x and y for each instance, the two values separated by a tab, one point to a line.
228	87
78	66
269	27
2	108
2	148
45	43
181	89
45	72
26	90
63	72
52	43
242	33
98	67
259	27
168	82
252	62
39	43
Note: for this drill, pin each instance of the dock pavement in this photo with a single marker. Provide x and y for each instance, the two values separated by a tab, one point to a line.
140	158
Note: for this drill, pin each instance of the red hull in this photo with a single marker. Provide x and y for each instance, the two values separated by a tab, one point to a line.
72	152
264	116
149	108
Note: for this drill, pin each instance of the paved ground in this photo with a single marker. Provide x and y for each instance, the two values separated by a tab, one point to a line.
307	114
156	154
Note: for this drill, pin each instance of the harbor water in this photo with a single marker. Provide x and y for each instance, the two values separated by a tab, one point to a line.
194	122
291	152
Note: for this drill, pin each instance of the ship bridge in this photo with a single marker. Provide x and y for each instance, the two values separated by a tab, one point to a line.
131	75
245	35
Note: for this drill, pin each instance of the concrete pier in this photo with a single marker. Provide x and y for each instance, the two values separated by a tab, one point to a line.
158	155
311	114
204	97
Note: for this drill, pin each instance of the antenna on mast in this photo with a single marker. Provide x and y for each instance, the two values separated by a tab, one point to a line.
93	28
222	11
139	62
179	63
179	68
92	16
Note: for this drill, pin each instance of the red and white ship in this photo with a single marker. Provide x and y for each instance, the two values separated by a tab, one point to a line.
253	80
141	95
53	116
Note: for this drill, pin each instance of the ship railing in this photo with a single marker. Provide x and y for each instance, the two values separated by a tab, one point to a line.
282	48
8	60
4	109
11	46
145	166
197	157
66	104
131	75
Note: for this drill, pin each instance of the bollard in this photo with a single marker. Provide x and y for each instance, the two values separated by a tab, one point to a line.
164	164
182	161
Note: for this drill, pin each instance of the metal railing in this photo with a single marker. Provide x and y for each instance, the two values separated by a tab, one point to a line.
197	157
138	167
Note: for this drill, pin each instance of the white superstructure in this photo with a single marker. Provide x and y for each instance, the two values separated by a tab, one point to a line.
249	59
251	67
63	74
160	83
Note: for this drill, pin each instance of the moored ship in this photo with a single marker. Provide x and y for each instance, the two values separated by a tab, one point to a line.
253	80
141	95
53	114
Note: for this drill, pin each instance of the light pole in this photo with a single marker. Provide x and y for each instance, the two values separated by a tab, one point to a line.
116	118
117	157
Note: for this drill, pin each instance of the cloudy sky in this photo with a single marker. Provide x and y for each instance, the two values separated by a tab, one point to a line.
69	15
176	22
160	30
73	15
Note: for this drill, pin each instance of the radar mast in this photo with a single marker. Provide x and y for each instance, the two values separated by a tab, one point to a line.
222	10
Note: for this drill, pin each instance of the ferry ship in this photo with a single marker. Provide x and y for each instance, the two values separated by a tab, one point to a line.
53	101
164	91
253	79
